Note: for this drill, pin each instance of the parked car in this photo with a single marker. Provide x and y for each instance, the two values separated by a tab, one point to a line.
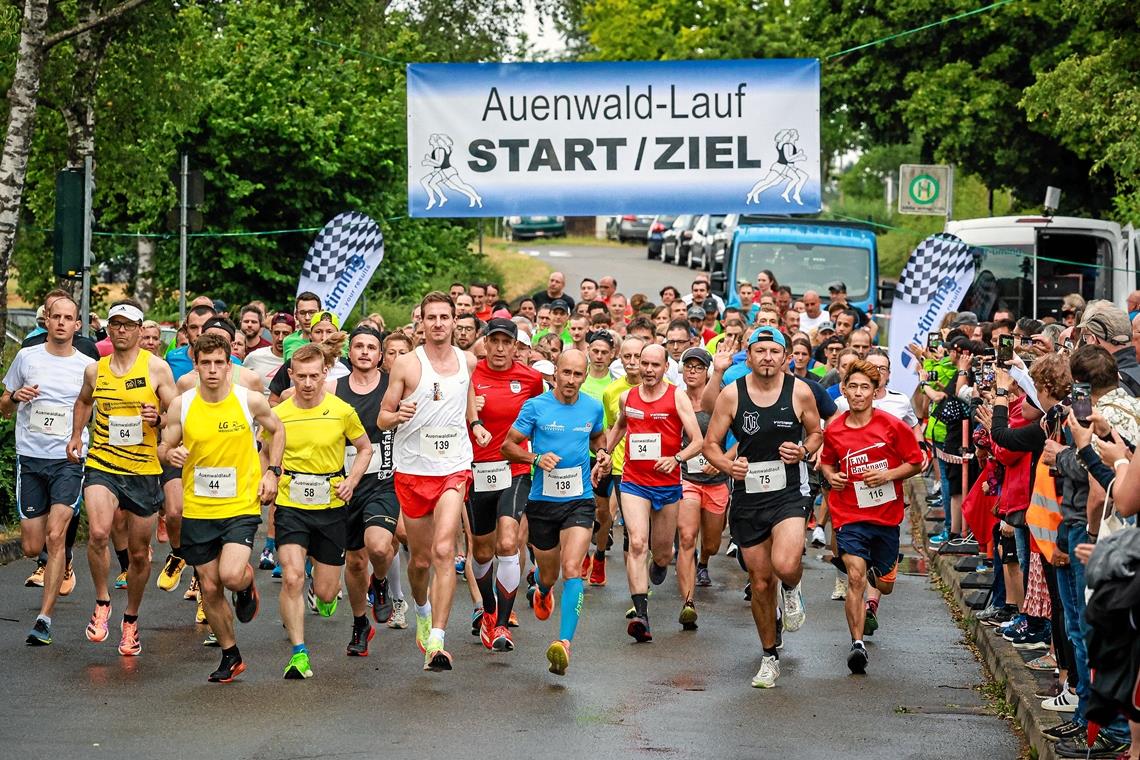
675	241
661	222
721	241
629	227
703	231
530	227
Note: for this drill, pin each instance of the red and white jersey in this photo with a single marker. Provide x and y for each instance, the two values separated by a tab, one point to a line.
653	430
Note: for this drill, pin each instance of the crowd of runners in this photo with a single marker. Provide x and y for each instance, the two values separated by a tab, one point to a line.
483	437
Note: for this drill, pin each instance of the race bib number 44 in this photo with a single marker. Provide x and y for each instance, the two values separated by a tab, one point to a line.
765	477
215	482
562	483
310	490
125	431
439	443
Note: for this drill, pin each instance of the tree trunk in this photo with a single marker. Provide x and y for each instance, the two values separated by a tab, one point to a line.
144	279
22	98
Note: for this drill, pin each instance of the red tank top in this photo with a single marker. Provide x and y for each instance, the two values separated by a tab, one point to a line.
653	430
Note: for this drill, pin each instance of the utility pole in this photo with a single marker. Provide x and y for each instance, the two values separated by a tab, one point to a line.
183	223
85	298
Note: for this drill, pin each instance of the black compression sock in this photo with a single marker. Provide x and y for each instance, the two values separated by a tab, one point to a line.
773	652
641	605
130	618
124	558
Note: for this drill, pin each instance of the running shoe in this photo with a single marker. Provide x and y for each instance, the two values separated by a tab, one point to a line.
298	667
192	590
1045	663
1065	702
129	643
818	537
794	611
487	627
171	574
1000	616
67	585
638	628
267	562
839	593
246	603
423	630
870	622
40	635
200	613
748	591
1079	746
598	572
211	640
36	578
436	658
161	533
381	600
543	603
769	671
703	578
476	620
121	580
731	550
358	646
327	609
460	564
97	629
231	668
857	658
657	573
586	564
989	613
1037	637
558	655
939	539
399	616
501	640
513	620
688	616
276	571
1066	730
311	597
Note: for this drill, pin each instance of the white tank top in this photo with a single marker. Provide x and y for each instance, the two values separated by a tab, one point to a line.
435	441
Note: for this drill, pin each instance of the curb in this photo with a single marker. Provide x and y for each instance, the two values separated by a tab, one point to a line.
1004	662
10	551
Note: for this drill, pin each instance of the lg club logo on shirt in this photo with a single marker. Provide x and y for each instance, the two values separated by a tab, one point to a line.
235	426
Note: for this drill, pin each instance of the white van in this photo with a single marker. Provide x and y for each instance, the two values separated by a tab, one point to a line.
1030	263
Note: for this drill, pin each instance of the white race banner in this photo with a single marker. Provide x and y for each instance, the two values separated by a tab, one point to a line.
936	277
606	138
341	261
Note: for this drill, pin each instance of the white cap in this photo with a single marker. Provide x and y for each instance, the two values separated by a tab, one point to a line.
133	313
543	367
524	336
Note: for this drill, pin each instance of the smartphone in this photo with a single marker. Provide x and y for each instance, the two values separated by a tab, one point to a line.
1026	341
1005	349
934	341
1082	403
988	368
932	376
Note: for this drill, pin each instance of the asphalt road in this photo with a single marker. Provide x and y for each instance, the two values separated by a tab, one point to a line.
628	264
684	695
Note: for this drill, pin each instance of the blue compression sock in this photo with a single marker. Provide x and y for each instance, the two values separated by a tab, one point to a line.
298	648
572	596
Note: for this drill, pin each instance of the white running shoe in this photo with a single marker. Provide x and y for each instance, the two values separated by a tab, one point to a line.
399	616
766	676
1065	702
840	592
818	538
794	611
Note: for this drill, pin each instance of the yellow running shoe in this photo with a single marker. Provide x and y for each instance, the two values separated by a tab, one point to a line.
423	630
121	580
67	585
558	655
171	574
200	615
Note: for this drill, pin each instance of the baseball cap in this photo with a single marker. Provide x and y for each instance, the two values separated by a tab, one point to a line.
965	318
710	306
543	367
768	333
322	316
698	353
837	287
220	305
559	303
602	335
1107	322
695	312
504	326
283	316
126	311
523	336
825	325
501	314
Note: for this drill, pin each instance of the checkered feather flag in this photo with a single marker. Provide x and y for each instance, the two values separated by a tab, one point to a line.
937	257
349	234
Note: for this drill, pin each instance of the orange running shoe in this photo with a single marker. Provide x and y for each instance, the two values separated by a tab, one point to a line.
598	572
129	644
487	625
543	603
501	639
97	629
67	585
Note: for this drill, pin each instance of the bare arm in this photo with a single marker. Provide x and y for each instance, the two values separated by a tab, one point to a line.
481	434
170	448
513	451
719	425
617	432
84	403
691	426
363	448
393	409
274	452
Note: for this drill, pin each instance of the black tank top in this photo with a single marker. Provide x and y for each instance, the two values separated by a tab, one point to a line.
703	419
367	406
783	158
760	430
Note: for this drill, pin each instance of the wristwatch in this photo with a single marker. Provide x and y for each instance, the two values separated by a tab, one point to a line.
471	425
1001	392
274	469
677	458
534	462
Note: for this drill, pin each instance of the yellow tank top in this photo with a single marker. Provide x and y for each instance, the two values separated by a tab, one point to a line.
222	473
121	442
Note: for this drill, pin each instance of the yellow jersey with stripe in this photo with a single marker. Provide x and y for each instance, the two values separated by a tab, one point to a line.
121	443
222	473
314	451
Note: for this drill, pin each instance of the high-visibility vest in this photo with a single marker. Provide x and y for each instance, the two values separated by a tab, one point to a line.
1044	514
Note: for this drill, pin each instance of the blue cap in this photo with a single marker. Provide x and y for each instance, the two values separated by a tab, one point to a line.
768	333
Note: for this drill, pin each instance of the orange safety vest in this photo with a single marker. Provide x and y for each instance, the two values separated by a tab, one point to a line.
1044	514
